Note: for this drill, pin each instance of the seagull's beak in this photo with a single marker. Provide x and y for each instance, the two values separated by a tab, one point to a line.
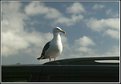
63	32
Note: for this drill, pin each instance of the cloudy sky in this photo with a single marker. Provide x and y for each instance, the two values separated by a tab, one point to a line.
92	29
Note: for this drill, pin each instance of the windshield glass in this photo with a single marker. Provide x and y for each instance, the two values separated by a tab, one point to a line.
92	30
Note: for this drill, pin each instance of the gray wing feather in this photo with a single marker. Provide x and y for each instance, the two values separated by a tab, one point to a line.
44	50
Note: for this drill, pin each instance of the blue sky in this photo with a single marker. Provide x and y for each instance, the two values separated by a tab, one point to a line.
92	29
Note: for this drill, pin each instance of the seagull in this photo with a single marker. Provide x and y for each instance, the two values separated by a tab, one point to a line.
53	48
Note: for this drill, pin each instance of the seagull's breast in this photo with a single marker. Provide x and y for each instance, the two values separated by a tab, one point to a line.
55	48
60	46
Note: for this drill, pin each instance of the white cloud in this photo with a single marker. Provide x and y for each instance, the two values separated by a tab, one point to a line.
76	8
107	26
86	51
14	37
83	46
53	14
12	19
98	6
35	8
112	33
12	43
99	25
85	41
6	9
12	23
69	21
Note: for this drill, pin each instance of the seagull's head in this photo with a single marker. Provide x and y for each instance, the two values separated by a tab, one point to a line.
58	30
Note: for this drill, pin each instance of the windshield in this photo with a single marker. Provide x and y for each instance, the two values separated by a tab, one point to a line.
92	30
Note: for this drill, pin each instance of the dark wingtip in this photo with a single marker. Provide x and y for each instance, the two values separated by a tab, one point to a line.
38	58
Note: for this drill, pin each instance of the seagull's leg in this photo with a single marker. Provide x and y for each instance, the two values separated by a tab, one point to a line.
54	58
49	59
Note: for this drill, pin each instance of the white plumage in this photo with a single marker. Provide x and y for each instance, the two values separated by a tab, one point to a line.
53	48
